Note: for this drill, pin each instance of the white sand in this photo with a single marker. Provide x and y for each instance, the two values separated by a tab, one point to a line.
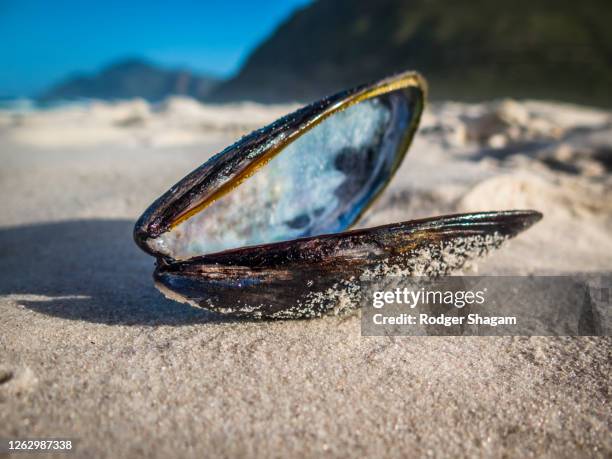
90	350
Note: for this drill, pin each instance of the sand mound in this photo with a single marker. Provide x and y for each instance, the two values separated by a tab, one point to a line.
178	121
556	196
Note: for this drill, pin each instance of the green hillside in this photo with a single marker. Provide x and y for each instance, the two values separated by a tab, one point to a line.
467	49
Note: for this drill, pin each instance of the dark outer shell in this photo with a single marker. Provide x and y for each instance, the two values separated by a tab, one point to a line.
308	277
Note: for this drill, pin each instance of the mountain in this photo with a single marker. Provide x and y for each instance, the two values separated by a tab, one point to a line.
467	49
131	78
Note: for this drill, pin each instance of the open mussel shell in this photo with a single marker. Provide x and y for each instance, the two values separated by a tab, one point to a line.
260	229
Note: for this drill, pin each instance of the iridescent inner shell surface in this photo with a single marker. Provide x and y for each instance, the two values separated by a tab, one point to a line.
318	184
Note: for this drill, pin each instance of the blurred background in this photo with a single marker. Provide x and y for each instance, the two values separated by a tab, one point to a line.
298	50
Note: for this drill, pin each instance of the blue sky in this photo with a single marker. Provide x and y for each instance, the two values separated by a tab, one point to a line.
42	41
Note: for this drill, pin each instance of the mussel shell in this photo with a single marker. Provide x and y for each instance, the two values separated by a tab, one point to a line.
313	276
223	173
325	269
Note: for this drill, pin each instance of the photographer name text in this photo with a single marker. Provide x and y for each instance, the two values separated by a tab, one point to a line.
422	297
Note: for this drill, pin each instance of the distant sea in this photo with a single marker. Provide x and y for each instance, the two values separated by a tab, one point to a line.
25	105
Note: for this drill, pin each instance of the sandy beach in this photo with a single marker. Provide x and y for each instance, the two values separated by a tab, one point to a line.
90	350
